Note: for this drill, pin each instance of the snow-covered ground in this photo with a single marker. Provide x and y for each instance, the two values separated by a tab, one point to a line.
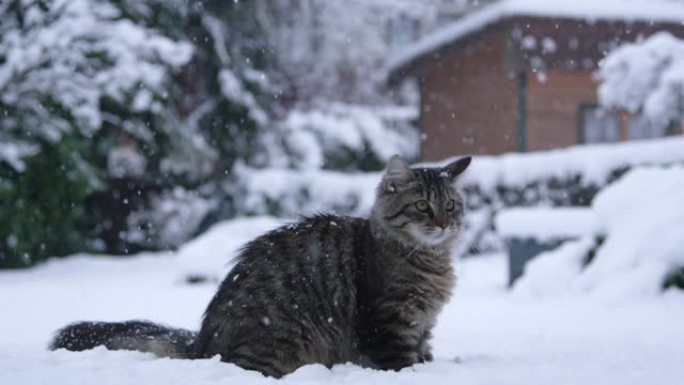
484	336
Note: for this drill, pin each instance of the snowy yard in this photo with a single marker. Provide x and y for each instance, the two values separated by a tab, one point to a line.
486	335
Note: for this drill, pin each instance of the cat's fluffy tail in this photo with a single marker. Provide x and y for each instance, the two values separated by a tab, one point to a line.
142	336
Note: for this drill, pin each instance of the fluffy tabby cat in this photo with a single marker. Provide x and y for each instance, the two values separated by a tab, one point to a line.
328	289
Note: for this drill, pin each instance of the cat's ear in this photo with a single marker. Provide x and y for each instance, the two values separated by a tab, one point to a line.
397	174
457	167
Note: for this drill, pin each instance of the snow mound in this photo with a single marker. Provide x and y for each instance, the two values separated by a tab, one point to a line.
209	256
643	219
552	273
545	223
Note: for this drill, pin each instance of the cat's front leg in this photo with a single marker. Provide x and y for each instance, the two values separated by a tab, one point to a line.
393	348
424	348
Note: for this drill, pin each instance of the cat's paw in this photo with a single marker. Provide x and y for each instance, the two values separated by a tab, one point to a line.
398	362
426	357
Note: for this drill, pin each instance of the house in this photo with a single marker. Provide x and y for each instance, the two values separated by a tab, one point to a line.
519	75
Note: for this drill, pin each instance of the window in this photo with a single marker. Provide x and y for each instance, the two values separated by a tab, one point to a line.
598	125
640	127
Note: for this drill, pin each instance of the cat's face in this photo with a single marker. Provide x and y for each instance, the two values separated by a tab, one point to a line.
423	203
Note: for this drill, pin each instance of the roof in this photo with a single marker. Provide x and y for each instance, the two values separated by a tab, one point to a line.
590	10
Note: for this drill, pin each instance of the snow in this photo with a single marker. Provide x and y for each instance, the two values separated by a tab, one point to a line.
13	152
642	217
288	193
644	236
125	161
308	191
594	163
549	178
483	336
529	42
645	77
308	142
233	90
545	224
552	273
74	54
628	10
171	219
209	256
332	50
549	45
313	136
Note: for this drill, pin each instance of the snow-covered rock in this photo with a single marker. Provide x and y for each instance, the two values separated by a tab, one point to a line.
642	218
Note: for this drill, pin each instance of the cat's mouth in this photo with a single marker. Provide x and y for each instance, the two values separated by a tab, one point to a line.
434	236
440	235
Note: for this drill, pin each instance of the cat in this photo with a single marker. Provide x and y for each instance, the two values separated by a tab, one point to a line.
327	289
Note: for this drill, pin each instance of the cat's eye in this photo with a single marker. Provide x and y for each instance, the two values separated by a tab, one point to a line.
450	205
422	205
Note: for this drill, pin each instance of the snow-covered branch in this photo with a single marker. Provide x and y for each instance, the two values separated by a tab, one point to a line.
646	77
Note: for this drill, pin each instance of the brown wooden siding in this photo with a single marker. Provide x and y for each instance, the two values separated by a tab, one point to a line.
558	43
469	101
553	103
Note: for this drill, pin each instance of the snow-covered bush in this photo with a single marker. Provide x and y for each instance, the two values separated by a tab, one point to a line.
642	219
74	75
308	150
170	219
42	208
563	177
336	50
646	77
288	193
566	177
110	100
65	64
343	137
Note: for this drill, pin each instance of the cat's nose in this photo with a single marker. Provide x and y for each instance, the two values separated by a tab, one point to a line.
443	224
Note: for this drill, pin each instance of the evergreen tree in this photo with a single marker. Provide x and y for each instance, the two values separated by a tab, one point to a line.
106	104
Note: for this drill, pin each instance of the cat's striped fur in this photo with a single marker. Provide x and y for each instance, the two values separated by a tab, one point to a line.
328	289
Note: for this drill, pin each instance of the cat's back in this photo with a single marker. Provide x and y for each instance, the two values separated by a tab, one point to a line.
312	260
296	284
311	238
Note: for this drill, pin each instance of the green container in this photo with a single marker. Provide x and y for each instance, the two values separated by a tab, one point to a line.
522	250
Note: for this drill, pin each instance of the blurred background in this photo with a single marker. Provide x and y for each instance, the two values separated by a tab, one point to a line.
147	140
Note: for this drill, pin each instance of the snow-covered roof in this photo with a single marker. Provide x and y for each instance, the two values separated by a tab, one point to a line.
630	10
